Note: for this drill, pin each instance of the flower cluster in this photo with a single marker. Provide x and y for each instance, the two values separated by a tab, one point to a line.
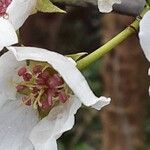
40	90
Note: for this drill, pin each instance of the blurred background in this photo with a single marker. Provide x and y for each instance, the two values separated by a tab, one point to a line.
121	74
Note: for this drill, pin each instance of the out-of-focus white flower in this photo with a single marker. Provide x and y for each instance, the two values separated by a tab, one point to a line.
53	91
106	5
144	35
13	13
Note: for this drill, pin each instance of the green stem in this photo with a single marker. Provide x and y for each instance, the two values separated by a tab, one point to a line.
86	61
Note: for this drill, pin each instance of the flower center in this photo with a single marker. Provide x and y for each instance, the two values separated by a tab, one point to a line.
3	6
42	86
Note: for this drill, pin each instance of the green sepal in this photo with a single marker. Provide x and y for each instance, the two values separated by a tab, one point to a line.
77	56
48	7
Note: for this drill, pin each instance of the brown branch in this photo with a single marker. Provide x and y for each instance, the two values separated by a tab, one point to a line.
128	7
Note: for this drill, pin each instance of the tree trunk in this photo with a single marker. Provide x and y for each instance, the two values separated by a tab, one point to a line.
125	79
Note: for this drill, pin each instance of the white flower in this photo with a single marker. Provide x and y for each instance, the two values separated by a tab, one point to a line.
144	36
106	5
13	13
20	124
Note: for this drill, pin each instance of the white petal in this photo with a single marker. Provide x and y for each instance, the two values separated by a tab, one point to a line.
19	10
7	34
16	123
59	120
101	103
149	71
8	65
144	34
66	69
106	5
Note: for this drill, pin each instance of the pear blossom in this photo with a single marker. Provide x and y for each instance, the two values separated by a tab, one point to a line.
105	6
13	13
40	92
144	36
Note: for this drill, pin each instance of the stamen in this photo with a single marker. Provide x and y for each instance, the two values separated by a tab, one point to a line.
43	87
27	77
47	66
20	88
45	74
55	81
3	6
26	100
35	90
63	97
49	99
41	81
47	103
37	100
22	71
37	69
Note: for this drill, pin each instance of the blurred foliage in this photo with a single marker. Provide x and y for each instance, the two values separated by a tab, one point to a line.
93	77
